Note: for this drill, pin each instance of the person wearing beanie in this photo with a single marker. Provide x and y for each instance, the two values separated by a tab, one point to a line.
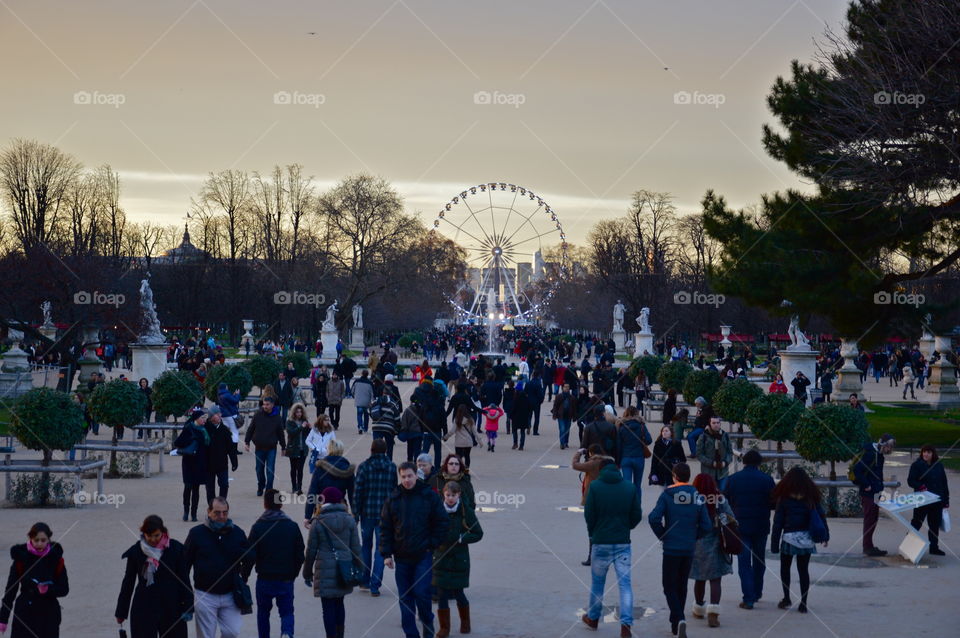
749	493
333	536
193	445
868	477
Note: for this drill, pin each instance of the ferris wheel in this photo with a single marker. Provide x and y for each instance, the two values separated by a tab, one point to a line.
516	251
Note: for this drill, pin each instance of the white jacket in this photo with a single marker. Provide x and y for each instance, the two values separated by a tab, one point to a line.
319	442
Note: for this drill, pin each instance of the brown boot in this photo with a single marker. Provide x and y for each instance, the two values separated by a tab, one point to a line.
464	618
713	615
443	616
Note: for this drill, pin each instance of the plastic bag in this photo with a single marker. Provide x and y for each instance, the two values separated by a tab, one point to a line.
945	527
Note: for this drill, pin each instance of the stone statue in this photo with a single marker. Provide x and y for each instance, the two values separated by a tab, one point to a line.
798	340
148	311
357	316
330	323
644	320
47	309
618	316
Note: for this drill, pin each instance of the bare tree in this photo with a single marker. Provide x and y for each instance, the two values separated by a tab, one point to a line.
269	205
228	193
300	197
35	180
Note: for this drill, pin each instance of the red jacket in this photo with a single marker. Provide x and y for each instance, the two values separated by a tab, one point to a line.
778	388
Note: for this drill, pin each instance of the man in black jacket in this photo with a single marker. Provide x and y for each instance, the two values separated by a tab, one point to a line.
214	551
266	431
413	523
276	548
221	449
284	394
602	432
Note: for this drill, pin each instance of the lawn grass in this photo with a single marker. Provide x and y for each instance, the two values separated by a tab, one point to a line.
913	428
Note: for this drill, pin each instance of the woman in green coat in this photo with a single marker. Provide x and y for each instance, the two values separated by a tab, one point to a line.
451	561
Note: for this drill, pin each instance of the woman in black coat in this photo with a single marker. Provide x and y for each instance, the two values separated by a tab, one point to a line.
193	444
520	417
927	475
39	575
667	452
163	598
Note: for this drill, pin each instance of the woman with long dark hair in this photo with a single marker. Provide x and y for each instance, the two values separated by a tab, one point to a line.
156	579
39	576
797	501
667	452
709	562
927	475
297	429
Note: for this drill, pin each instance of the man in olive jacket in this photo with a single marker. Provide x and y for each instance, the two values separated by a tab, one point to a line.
715	452
611	511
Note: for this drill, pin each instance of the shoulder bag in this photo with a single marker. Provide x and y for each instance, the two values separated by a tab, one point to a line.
348	574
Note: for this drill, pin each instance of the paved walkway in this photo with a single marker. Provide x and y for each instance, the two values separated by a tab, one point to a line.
526	579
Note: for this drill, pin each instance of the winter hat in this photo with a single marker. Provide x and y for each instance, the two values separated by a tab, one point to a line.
332	495
222	386
389	377
213	409
196	414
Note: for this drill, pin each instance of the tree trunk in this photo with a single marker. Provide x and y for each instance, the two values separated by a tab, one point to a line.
780	460
833	499
45	478
114	471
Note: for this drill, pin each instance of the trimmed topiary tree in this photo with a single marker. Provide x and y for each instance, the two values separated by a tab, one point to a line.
701	383
262	369
648	363
773	417
45	419
733	397
831	432
117	404
301	362
175	392
236	376
672	375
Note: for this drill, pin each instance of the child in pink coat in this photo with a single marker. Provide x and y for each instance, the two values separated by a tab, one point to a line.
492	412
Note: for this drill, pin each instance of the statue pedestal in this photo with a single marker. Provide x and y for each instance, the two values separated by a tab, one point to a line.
927	345
942	391
643	342
246	337
848	377
329	340
356	339
149	361
794	361
619	340
50	332
15	376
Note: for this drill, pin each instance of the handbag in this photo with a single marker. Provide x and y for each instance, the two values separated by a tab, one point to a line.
242	596
818	530
348	574
729	534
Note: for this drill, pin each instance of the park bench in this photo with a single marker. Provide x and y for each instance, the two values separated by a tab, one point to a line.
33	466
144	449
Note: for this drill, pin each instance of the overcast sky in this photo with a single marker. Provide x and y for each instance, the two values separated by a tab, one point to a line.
574	100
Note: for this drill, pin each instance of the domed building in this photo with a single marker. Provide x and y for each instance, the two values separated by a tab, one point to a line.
185	253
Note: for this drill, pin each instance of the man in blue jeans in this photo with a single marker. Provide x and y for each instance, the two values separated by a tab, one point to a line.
748	492
266	431
413	523
376	479
276	549
611	511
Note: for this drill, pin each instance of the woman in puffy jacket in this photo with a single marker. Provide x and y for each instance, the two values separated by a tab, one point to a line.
333	535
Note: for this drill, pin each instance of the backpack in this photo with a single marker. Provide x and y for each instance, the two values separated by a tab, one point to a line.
377	410
857	458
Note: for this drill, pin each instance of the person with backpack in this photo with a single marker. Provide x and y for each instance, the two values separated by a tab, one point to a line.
564	410
866	472
38	577
385	413
633	439
410	431
799	522
601	431
709	560
434	423
156	580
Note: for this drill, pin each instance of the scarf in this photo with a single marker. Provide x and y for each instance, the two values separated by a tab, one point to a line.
451	510
153	556
218	528
36	552
203	432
